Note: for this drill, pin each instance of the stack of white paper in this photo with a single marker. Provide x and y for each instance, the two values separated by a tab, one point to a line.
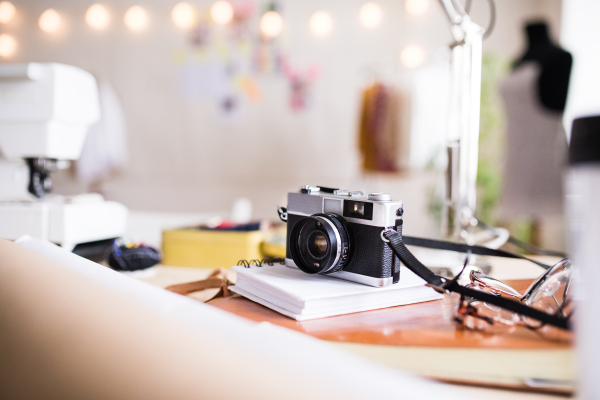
301	296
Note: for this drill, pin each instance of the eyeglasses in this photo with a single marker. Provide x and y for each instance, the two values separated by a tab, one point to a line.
549	293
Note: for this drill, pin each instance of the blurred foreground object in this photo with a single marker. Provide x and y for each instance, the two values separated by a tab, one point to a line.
90	332
45	113
583	199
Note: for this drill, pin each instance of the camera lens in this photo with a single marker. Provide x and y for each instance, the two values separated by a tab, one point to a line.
320	243
317	244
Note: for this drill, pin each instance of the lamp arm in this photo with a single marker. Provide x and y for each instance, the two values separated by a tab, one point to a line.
454	10
463	123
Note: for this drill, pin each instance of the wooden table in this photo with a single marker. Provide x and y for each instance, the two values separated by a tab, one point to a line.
410	328
422	324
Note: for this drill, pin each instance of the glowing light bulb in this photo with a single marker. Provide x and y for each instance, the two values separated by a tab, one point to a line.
97	16
221	12
49	21
370	15
7	12
416	7
183	15
271	24
136	18
320	23
8	45
412	56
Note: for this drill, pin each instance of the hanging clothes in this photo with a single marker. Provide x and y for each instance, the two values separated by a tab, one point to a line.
379	129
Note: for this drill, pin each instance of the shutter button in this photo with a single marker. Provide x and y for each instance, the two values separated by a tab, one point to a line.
380	197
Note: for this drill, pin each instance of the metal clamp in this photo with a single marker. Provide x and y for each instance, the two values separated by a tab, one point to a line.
383	232
283	214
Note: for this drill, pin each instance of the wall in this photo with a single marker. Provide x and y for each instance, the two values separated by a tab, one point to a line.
184	157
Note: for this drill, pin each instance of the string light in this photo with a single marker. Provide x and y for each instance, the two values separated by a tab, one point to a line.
320	23
183	15
8	45
97	17
416	7
271	24
412	56
7	12
221	12
49	21
136	18
370	15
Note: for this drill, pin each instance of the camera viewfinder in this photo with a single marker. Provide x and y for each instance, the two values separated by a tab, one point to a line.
358	209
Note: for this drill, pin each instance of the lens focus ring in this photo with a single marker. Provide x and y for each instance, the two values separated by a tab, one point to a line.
320	243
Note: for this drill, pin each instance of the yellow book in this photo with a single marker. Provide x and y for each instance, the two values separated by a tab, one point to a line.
192	247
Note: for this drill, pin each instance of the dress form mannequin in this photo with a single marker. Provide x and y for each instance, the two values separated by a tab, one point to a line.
534	95
555	63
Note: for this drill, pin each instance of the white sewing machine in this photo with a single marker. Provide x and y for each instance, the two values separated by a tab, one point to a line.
45	113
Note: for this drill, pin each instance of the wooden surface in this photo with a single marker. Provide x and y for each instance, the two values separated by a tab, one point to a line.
420	324
399	319
407	324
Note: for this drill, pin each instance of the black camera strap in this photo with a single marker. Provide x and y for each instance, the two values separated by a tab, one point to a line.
398	245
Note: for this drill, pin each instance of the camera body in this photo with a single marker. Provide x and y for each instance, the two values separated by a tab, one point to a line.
338	233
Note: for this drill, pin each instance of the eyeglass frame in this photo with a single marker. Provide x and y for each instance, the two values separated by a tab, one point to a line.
476	278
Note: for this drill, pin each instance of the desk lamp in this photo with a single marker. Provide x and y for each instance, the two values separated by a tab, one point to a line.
463	128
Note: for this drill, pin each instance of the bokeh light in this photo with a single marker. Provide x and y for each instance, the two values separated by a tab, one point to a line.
8	45
416	7
221	12
7	12
271	24
97	16
136	18
370	15
183	15
320	23
49	21
412	56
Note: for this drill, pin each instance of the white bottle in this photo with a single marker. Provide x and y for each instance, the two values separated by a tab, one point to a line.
583	213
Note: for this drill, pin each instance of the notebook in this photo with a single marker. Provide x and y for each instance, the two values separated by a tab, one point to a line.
302	296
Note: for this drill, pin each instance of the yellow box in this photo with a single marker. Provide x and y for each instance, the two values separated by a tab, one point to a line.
272	250
192	247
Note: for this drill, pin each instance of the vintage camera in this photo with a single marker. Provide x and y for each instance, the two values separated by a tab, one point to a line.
339	233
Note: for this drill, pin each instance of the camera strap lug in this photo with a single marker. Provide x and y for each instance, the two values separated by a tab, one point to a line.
283	214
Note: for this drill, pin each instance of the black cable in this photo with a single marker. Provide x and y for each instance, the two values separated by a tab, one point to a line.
464	248
492	23
524	245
